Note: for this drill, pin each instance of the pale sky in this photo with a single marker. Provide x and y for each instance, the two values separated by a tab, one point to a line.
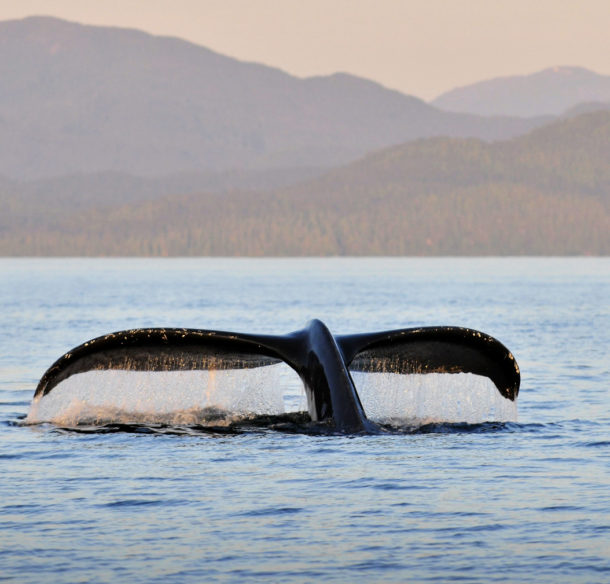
420	47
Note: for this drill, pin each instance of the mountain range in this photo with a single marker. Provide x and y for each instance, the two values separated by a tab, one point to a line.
85	99
117	142
545	193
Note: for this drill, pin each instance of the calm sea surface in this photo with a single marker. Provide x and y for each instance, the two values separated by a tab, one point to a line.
522	501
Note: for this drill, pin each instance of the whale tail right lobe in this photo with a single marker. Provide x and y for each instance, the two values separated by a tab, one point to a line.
443	349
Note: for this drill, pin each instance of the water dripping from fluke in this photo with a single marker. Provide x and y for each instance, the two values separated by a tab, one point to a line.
203	381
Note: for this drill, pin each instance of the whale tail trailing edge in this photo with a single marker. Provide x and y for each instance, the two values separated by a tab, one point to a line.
322	361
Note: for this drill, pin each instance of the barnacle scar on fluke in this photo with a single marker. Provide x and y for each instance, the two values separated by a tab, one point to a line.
322	361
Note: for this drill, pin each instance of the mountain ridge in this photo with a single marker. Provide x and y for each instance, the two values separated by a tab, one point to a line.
81	98
546	193
551	91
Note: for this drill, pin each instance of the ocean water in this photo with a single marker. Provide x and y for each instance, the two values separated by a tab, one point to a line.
522	500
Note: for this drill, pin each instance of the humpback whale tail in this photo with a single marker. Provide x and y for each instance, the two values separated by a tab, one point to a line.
323	362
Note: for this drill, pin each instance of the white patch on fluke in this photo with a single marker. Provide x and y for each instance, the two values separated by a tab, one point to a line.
418	399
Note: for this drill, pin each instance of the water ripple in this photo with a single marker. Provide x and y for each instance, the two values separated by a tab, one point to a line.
271	511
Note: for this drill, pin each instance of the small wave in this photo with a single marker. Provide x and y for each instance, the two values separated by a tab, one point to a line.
135	503
455	428
395	487
295	422
561	508
288	423
81	415
271	511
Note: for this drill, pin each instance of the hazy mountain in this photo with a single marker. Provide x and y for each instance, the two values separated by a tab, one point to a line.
80	99
587	107
570	155
103	189
544	193
548	92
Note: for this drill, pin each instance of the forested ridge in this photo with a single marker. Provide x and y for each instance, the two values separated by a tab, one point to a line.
546	193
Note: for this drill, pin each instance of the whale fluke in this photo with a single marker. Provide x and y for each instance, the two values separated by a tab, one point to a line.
322	361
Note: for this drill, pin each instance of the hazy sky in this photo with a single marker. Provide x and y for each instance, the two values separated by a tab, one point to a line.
421	47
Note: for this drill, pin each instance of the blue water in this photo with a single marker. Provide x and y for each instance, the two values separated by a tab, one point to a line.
516	502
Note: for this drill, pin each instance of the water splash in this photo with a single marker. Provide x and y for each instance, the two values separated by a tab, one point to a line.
222	397
168	397
418	399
